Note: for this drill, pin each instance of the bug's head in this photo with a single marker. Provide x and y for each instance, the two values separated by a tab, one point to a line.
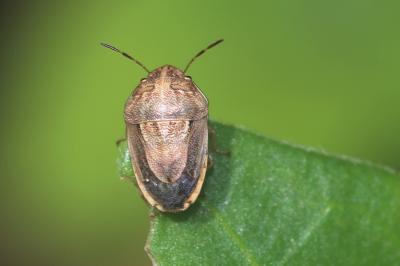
166	70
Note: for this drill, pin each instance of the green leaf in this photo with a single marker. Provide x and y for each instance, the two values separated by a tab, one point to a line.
270	203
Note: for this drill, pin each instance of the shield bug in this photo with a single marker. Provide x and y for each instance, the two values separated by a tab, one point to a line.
166	119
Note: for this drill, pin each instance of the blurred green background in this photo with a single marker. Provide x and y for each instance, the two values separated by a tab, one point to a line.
316	73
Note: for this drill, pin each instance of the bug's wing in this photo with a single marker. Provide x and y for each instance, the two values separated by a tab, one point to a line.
169	159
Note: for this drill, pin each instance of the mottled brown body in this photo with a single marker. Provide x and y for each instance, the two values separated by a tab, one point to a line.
166	119
167	133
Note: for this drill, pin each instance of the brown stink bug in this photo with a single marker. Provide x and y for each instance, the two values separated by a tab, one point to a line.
167	132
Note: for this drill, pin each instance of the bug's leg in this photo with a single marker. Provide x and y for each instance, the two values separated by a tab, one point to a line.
118	141
128	178
210	162
152	214
213	142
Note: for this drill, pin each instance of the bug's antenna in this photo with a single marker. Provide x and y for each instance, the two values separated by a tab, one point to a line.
202	52
125	54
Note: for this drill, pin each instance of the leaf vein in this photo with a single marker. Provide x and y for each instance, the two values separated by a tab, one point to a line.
246	251
305	236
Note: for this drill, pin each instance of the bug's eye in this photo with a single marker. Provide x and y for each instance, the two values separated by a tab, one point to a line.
188	78
143	80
